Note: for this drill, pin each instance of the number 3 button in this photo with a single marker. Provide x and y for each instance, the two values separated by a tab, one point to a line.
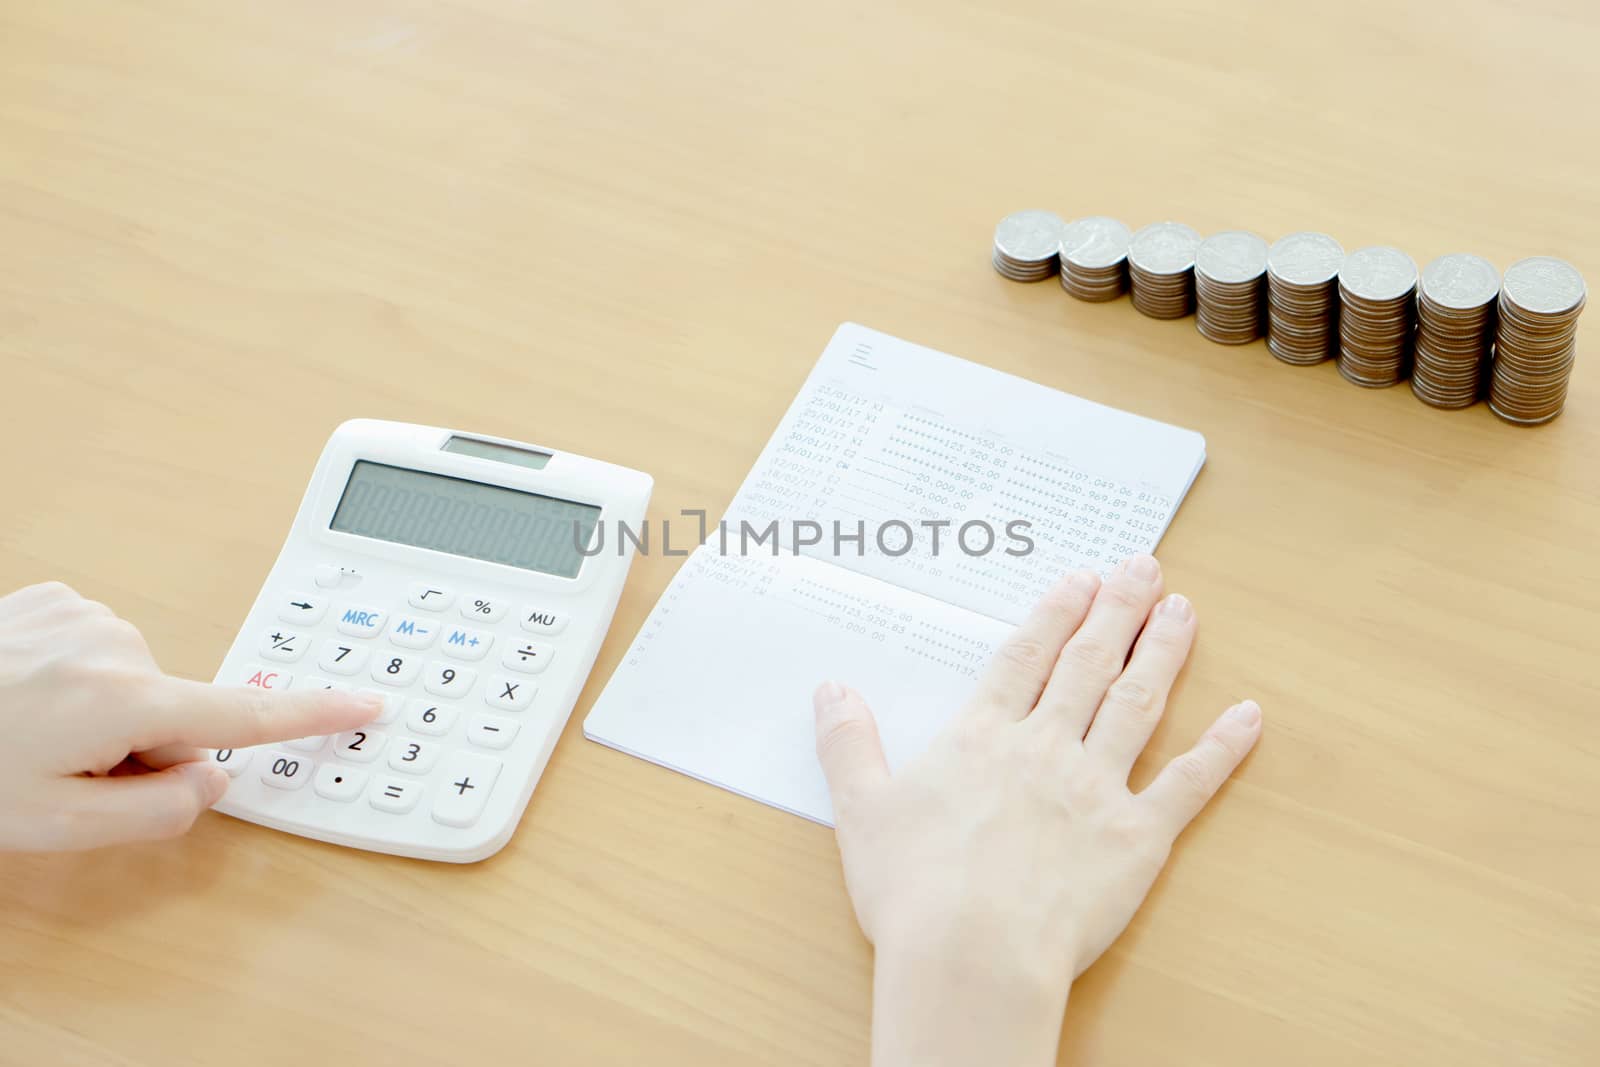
396	670
413	757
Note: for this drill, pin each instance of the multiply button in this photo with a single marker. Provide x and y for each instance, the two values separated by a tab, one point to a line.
529	657
510	694
361	622
464	788
463	643
543	621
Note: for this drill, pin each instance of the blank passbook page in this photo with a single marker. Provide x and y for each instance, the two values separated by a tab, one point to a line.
905	515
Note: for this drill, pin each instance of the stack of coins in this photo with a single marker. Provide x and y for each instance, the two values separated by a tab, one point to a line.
1303	297
1230	270
1455	326
1377	290
1161	269
1025	245
1536	343
1094	258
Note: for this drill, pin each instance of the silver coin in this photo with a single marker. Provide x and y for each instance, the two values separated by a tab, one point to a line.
1164	248
1233	256
1306	258
1028	236
1094	243
1460	281
1544	285
1379	273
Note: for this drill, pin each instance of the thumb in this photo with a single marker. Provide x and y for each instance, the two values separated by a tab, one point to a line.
139	807
848	745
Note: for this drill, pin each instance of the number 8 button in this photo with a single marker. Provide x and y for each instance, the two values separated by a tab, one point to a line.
395	670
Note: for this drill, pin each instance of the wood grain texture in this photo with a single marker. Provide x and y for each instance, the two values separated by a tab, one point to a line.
628	230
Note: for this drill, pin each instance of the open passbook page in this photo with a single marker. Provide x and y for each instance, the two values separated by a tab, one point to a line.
906	513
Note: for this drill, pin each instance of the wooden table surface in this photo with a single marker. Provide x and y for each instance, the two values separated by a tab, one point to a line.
628	230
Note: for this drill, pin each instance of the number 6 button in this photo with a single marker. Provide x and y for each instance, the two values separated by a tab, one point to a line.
447	679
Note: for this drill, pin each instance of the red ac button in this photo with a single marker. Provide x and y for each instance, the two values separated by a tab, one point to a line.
267	678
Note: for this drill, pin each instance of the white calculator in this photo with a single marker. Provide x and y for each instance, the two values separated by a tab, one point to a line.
468	579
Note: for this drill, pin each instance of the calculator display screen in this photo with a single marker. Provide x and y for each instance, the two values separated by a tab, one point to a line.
465	518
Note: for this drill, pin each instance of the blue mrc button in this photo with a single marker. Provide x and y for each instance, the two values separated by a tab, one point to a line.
359	621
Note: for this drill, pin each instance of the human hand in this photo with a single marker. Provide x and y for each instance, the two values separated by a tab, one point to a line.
999	864
102	745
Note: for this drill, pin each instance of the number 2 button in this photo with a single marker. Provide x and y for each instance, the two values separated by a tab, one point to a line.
395	670
447	679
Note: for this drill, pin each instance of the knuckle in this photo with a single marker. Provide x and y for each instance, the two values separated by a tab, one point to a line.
1193	774
1023	653
173	820
1123	594
1092	654
839	732
1136	696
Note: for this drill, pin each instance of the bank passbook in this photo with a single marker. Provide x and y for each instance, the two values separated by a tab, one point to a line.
903	518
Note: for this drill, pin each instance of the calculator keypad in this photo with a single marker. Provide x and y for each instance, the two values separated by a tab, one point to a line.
428	748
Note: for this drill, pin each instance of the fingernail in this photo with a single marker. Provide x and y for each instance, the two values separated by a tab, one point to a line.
1144	568
828	694
372	702
1177	606
1246	713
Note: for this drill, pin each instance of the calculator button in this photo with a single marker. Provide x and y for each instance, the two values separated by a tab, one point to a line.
326	575
361	622
528	657
464	788
336	782
232	760
340	656
308	744
483	608
395	794
509	694
286	646
302	608
412	756
396	670
391	705
267	678
447	679
537	620
430	717
359	746
318	682
285	770
489	731
409	632
430	597
463	643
